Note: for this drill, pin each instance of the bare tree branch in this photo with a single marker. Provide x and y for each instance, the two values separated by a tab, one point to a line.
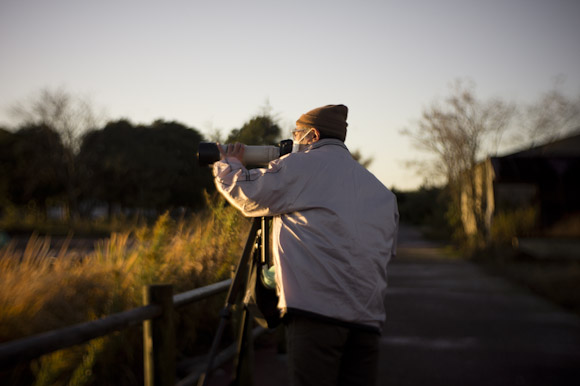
68	115
550	117
458	133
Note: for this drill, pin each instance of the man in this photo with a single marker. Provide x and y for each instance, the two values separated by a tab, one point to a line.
334	231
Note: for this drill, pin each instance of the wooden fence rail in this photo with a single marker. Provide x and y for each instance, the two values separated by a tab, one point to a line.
158	332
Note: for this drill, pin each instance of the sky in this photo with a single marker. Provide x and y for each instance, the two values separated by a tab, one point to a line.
213	65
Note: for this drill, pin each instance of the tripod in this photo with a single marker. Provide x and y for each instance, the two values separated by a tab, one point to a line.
256	251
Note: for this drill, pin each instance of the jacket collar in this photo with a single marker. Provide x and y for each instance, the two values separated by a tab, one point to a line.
326	142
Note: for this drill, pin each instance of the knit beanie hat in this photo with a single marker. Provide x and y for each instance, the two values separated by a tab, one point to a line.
330	120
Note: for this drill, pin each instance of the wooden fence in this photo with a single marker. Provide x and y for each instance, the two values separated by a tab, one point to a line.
158	334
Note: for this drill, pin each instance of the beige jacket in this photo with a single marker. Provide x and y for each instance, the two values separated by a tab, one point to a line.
334	229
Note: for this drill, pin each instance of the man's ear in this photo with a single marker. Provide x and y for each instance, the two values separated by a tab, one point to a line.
315	135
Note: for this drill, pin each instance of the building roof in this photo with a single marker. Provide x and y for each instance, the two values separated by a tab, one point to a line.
539	163
563	147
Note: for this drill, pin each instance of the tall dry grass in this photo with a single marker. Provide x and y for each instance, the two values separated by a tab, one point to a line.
41	290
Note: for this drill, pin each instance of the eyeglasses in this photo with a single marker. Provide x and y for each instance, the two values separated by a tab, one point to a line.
297	131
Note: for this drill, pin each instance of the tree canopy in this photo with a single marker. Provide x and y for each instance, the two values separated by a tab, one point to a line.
144	166
32	164
59	154
260	130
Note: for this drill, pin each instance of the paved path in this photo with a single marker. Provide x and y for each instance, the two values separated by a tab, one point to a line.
451	324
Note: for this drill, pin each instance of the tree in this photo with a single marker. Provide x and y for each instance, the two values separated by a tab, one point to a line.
182	177
32	159
145	167
260	130
105	158
7	140
457	134
548	118
70	117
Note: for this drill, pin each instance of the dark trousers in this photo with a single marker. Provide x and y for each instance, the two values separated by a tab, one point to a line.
326	354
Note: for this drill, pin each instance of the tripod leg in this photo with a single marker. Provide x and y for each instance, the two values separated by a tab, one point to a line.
244	362
245	355
238	285
225	316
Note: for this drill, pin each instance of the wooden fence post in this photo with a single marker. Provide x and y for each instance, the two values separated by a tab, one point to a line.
159	338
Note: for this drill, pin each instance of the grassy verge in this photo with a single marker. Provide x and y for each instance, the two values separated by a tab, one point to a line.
41	291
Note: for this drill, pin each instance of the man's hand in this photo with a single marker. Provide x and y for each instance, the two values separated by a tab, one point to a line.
236	151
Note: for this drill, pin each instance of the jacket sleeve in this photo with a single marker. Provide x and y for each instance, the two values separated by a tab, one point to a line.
396	232
256	192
